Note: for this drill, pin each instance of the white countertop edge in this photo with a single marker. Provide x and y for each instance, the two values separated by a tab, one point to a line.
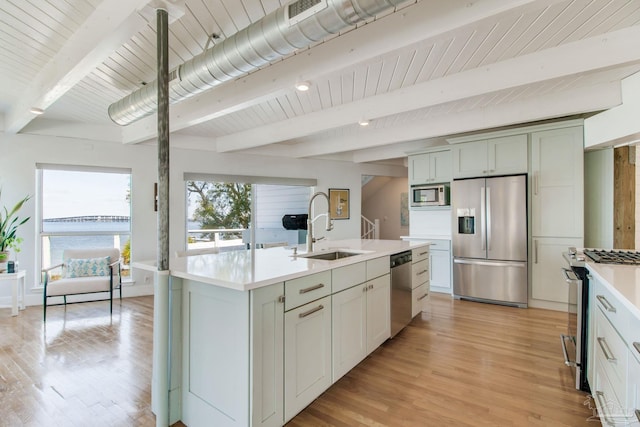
426	237
593	268
317	266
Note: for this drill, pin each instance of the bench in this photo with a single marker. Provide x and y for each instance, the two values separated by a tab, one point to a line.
84	271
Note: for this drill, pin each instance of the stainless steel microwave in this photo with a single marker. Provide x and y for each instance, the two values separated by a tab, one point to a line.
429	195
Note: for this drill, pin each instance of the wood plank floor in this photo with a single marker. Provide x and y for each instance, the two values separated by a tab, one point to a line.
461	364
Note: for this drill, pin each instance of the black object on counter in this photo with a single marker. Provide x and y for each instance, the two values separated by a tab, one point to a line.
295	222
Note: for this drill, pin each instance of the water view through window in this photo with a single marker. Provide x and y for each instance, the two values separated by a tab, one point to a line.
84	209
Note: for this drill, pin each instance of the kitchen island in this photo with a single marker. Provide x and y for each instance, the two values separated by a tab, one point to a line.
257	335
613	367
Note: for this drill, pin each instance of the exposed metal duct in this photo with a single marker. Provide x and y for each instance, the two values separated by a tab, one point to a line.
289	28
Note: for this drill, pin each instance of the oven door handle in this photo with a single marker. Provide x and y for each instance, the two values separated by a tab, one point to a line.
563	340
569	275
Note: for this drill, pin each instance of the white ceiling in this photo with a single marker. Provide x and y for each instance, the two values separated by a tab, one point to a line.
428	70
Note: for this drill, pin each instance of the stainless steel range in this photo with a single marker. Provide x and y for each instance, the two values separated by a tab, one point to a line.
613	256
575	352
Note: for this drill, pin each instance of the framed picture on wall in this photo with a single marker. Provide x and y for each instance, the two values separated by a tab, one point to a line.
339	203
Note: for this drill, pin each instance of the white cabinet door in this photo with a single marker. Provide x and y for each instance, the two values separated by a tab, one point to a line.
267	357
507	155
547	281
431	167
440	271
440	166
469	159
378	311
557	183
634	386
307	354
419	169
349	329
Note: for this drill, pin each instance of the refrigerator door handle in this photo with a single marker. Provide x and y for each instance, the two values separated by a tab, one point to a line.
483	229
518	264
488	218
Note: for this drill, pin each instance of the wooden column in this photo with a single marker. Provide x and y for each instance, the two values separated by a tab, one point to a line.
624	198
162	283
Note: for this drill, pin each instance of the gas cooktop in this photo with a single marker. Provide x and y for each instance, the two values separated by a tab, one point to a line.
613	256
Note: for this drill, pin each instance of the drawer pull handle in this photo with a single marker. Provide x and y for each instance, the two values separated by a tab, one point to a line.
606	350
606	303
604	407
422	253
312	288
419	273
423	297
310	312
636	345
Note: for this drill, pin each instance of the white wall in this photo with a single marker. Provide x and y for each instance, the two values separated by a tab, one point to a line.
598	198
433	223
20	153
384	205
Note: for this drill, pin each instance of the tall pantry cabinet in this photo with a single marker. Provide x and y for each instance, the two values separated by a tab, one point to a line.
557	207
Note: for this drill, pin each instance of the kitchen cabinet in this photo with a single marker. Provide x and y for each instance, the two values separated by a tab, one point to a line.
440	266
547	282
420	286
615	357
557	194
432	167
361	318
307	354
495	156
557	208
267	361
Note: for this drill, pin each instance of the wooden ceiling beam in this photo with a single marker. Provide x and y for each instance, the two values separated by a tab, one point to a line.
110	25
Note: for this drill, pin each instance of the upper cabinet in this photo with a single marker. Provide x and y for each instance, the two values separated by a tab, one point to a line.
557	183
496	156
430	167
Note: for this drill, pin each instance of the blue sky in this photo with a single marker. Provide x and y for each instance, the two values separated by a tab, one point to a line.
73	193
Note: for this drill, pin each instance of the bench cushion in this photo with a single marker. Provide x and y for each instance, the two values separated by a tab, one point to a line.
78	285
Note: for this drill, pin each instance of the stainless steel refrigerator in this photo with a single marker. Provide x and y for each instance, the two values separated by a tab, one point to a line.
489	239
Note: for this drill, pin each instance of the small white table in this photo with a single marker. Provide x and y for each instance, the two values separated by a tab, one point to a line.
17	281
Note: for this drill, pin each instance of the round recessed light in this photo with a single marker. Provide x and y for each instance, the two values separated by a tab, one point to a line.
36	110
364	122
303	86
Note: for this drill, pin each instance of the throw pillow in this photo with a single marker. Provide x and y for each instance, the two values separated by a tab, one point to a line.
84	267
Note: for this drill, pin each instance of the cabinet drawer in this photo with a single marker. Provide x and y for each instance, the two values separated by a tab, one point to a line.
611	353
611	408
612	308
419	273
377	267
305	289
348	276
419	254
439	245
419	299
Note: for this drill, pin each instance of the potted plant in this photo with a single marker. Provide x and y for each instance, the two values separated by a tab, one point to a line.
9	223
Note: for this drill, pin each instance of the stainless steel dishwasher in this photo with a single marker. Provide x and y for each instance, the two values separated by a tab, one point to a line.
400	291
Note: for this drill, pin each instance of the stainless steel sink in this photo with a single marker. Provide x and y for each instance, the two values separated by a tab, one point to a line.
331	255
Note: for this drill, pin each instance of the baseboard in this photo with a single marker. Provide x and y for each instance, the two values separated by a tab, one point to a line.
547	305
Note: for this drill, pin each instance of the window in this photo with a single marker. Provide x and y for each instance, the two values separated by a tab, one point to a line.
221	210
84	208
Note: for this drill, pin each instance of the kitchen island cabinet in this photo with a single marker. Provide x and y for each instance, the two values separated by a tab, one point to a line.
614	345
256	342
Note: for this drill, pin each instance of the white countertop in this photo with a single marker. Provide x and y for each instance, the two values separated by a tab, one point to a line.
245	270
623	280
427	237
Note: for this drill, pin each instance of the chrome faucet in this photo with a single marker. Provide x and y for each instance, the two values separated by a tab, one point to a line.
310	239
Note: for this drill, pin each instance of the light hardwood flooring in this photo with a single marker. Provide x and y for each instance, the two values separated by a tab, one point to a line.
460	364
